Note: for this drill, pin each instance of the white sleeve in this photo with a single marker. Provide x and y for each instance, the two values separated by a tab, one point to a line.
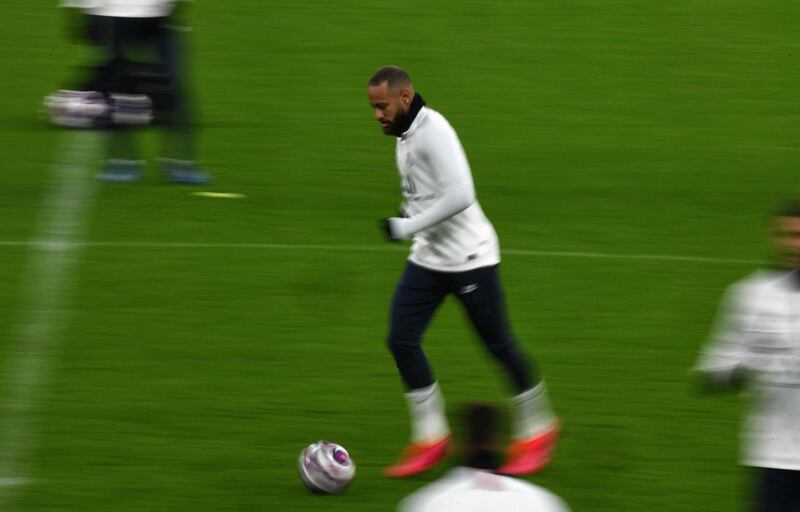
408	505
453	179
556	504
419	501
727	349
86	5
423	499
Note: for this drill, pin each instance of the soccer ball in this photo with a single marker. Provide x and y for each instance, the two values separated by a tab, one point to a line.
91	109
77	109
326	467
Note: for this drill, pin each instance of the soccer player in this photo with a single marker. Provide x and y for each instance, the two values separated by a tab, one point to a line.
474	487
143	63
454	251
757	345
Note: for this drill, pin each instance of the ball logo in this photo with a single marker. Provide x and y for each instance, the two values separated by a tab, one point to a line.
341	457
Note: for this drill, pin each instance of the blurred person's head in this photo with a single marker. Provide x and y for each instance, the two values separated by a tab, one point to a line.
786	235
481	437
390	94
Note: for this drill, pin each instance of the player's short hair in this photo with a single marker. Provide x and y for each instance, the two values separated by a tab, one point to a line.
482	430
394	75
788	209
481	422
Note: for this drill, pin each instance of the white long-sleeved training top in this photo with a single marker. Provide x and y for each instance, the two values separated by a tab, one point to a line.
464	489
449	229
124	8
759	332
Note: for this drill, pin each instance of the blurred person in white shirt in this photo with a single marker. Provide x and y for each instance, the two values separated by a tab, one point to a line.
756	346
473	486
143	76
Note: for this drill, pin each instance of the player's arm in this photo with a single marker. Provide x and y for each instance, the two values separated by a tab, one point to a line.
723	363
455	189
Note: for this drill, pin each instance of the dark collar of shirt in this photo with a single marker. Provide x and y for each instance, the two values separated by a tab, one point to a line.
416	105
790	276
796	279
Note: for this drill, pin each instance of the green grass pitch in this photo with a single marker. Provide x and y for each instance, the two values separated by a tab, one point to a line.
188	377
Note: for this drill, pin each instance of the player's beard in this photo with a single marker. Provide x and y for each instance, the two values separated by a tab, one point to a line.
396	125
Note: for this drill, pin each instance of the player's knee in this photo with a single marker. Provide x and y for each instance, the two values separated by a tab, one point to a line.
401	335
403	349
497	347
506	350
499	341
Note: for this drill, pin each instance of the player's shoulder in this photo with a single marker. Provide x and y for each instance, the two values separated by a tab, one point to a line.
764	278
763	281
461	482
434	120
436	129
429	498
550	501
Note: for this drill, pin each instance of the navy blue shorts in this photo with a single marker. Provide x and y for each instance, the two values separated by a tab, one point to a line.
777	490
420	292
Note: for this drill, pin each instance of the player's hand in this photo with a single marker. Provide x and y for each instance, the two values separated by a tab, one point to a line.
717	382
388	226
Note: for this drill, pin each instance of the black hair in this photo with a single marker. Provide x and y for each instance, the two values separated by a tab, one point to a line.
788	209
482	425
481	419
395	76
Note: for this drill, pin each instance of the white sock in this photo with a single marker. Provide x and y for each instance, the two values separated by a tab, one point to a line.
532	413
428	421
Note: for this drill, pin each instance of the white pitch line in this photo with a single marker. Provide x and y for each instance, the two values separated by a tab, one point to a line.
660	257
385	248
35	336
12	482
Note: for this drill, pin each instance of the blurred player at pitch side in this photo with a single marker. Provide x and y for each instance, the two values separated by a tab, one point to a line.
757	345
455	251
474	486
142	69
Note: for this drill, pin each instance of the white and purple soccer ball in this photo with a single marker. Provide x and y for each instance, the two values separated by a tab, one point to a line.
76	109
91	109
326	467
